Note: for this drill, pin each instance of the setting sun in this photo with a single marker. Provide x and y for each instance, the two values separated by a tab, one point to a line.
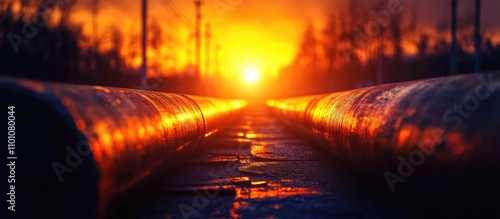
251	75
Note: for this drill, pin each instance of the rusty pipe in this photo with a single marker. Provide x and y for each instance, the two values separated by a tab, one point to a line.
83	151
425	136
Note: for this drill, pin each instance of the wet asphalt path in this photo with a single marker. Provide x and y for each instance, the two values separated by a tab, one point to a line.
256	168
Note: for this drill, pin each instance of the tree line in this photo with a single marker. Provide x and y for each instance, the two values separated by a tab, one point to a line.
364	45
37	41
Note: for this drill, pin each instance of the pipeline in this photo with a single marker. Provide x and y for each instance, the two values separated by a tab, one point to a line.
84	151
425	137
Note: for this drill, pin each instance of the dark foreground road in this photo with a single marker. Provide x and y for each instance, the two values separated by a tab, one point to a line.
258	169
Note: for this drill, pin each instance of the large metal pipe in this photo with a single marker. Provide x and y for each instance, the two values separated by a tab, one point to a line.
83	151
424	137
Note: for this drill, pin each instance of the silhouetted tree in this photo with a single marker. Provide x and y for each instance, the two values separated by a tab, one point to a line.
382	57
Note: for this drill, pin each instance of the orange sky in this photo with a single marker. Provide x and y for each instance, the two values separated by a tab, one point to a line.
253	33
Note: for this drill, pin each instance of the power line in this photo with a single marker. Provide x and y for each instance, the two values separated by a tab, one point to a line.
171	17
179	12
120	8
174	17
127	5
176	14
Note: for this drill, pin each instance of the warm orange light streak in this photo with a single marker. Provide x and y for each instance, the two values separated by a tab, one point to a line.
275	191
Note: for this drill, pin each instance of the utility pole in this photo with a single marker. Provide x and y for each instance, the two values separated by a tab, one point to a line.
380	61
144	44
208	50
477	36
93	58
453	55
95	7
216	59
197	34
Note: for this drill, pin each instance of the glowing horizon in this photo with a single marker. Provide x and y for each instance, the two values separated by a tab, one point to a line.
260	33
243	43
